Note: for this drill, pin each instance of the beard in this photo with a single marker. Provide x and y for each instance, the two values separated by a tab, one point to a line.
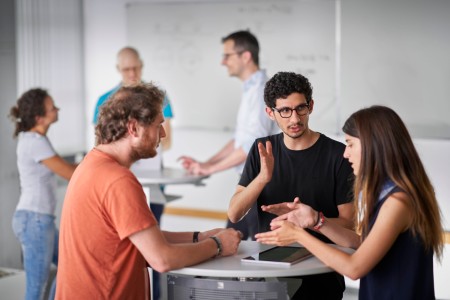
144	150
142	153
297	134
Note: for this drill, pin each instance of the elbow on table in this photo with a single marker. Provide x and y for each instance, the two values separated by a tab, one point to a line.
353	276
162	266
354	272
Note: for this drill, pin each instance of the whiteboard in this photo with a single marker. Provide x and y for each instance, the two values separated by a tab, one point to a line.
396	53
181	48
392	53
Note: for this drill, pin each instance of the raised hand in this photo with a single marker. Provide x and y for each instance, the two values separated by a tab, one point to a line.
267	161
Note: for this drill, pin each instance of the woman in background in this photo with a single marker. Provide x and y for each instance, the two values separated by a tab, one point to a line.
398	218
34	219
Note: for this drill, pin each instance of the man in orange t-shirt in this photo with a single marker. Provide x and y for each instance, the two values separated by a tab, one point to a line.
108	232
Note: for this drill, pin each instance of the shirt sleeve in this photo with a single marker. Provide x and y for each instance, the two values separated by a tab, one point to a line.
42	149
102	100
127	207
167	108
253	121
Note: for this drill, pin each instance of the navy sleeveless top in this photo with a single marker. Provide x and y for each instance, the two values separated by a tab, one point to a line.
405	272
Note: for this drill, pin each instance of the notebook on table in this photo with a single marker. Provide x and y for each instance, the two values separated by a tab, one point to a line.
281	256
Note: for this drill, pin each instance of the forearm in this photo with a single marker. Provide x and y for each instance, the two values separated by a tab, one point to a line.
346	216
340	235
178	237
234	158
224	152
244	199
60	166
344	222
176	256
329	255
163	255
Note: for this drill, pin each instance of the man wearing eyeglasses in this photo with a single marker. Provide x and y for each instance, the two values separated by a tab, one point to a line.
298	165
241	57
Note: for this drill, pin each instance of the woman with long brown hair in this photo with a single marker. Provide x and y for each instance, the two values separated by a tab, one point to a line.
398	222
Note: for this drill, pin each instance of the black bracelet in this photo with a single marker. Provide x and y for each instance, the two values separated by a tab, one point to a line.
195	236
219	245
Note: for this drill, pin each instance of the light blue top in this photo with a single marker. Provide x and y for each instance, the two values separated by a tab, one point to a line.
252	119
37	182
167	109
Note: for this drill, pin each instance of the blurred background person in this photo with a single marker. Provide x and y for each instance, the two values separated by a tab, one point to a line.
34	219
241	57
130	65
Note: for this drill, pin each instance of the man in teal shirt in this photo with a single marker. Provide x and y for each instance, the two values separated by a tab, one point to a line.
129	65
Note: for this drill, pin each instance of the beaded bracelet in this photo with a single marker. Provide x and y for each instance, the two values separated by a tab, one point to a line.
320	221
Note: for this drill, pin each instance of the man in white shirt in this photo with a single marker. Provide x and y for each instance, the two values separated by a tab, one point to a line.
241	57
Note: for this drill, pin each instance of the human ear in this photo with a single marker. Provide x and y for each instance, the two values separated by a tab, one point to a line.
247	56
269	112
132	127
38	119
311	106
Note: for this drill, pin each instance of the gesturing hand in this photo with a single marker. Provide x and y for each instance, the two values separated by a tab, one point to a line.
285	234
303	216
281	208
186	161
267	161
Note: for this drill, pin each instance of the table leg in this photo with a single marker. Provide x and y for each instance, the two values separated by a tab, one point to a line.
154	194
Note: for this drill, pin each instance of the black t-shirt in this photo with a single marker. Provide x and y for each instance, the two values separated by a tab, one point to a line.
320	176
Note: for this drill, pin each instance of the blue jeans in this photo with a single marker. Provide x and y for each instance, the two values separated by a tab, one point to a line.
38	237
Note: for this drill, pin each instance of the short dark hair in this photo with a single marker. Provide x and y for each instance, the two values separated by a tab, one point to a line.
142	102
282	84
244	41
30	105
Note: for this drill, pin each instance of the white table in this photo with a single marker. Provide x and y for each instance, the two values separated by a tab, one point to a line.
232	266
152	179
221	277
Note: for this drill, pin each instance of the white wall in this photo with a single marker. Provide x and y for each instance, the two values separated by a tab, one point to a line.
9	177
395	53
104	35
49	55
